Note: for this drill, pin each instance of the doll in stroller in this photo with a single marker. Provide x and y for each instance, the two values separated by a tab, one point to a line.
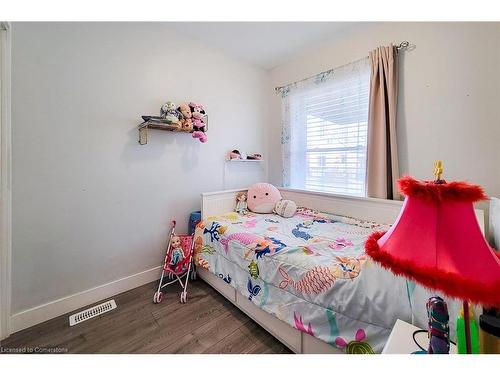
177	264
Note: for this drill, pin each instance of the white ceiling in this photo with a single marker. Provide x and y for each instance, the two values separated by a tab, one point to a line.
263	44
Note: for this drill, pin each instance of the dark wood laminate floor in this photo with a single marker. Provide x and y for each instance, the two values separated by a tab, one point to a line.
207	323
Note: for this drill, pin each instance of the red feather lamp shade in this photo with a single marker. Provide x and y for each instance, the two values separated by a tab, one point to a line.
437	242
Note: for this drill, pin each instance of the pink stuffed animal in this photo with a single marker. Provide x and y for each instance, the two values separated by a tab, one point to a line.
200	135
197	110
262	198
198	115
198	124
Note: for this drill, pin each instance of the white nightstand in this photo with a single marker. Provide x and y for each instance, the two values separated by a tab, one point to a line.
401	340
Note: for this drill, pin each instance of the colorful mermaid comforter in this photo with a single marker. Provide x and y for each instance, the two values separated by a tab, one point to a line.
309	271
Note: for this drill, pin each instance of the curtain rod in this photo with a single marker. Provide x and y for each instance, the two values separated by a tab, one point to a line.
402	46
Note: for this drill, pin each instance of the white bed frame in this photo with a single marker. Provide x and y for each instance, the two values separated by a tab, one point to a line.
379	210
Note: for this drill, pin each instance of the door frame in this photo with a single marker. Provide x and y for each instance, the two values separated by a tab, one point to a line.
5	180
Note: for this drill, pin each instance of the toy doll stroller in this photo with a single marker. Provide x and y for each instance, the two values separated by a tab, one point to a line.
177	264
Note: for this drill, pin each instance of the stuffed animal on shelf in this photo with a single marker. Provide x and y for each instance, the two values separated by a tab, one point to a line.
186	118
185	110
187	125
198	117
234	155
200	135
241	203
197	110
169	113
254	157
198	124
198	114
189	118
164	110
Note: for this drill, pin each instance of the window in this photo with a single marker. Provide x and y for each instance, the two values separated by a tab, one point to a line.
325	131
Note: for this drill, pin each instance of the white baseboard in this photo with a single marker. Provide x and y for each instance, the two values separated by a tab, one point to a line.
42	313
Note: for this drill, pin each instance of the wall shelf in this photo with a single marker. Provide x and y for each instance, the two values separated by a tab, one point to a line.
156	122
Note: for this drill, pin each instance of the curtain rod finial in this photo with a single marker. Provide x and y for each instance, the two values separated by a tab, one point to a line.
403	45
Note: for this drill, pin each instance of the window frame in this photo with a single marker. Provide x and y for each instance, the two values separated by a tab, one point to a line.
300	151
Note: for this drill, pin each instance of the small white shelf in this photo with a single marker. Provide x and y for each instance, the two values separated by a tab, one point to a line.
243	160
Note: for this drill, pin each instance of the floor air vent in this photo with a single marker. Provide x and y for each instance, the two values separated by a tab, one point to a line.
92	312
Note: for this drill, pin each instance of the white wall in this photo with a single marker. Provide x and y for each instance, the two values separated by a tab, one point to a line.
90	205
449	104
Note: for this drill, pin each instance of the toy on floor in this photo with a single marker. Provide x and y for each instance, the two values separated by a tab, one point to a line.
241	203
177	264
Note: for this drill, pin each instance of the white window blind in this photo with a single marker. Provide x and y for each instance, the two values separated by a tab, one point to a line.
328	132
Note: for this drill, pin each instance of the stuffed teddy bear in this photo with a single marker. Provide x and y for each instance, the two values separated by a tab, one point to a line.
186	118
262	198
187	125
185	110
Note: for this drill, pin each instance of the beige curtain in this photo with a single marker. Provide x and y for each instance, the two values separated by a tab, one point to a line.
382	159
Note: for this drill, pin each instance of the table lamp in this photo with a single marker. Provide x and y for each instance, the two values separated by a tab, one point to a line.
436	241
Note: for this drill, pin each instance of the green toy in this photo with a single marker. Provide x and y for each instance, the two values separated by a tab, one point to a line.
474	333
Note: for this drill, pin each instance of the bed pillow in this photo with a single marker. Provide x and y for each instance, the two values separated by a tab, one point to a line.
262	198
495	221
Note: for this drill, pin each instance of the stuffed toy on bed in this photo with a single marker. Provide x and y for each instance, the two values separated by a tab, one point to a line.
285	208
262	198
